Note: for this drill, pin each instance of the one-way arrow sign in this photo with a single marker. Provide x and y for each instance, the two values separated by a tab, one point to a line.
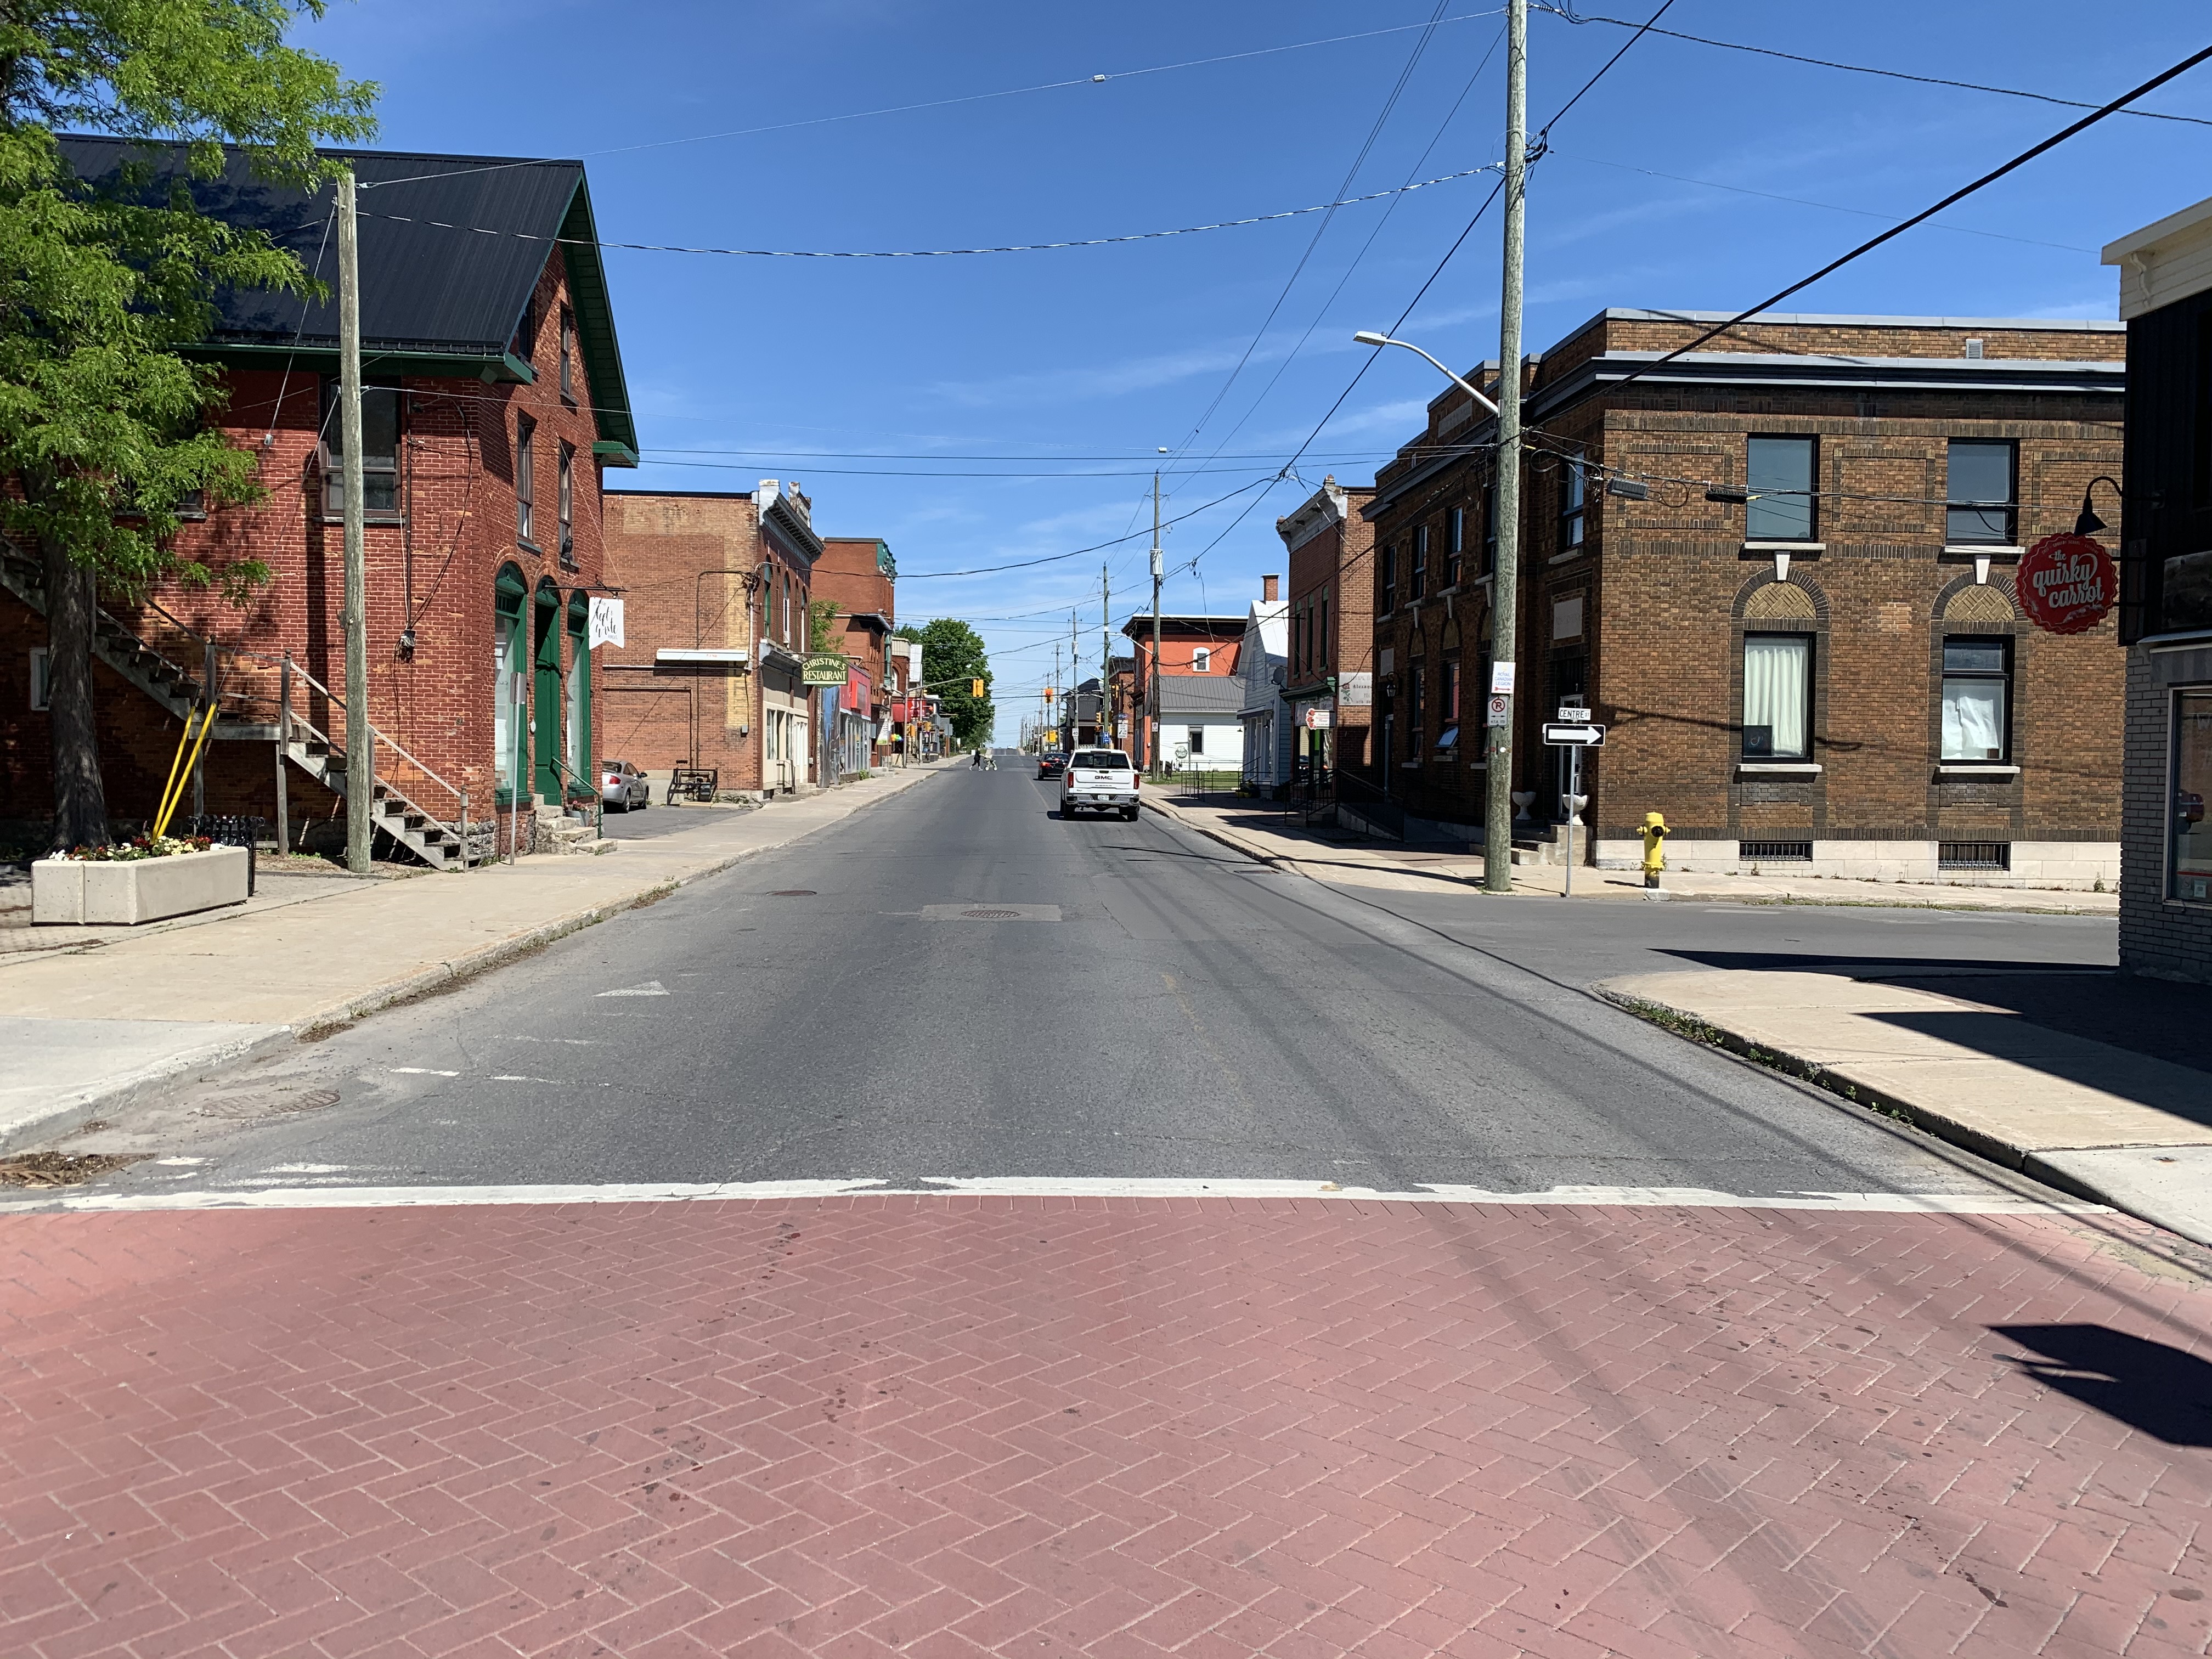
1560	735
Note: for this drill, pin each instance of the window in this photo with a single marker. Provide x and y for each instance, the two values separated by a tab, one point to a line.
1417	578
1780	482
41	683
1777	695
1982	508
1322	636
1201	661
1417	705
1196	737
1387	572
564	498
2189	869
526	332
1976	699
1450	708
526	477
380	452
568	354
1573	489
1455	545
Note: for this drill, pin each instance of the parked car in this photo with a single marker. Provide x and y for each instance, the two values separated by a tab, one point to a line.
1051	763
1098	780
622	785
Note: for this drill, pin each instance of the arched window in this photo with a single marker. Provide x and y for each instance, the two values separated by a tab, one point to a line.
580	690
507	717
1778	625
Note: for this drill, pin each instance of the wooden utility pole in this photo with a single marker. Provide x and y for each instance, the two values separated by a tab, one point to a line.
1505	586
361	753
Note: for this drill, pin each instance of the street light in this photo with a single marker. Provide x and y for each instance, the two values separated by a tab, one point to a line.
1504	576
1368	337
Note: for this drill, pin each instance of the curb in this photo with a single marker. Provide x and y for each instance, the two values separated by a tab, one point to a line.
81	1107
1927	1119
1234	842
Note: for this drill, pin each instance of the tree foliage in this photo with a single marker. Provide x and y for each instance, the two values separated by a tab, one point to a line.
101	420
952	655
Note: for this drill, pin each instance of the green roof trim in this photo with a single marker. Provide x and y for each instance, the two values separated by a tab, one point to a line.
615	453
595	324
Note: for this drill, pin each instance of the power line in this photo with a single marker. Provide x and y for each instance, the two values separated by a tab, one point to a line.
937	103
933	252
1544	132
1899	229
1050	558
1860	69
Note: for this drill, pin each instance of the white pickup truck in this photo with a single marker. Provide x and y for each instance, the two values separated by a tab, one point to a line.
1098	780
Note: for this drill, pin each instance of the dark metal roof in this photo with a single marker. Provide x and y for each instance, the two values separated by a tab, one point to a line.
1200	694
435	297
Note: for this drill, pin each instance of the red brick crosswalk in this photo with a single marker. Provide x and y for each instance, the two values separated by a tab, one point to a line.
946	1426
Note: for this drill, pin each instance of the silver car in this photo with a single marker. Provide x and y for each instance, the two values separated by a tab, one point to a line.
622	786
1098	780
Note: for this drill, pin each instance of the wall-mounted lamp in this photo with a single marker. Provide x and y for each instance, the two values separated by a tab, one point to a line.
2087	523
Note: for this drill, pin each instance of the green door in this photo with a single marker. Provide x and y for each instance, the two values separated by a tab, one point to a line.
545	723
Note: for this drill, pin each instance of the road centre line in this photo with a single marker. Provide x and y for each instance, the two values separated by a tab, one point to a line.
318	1197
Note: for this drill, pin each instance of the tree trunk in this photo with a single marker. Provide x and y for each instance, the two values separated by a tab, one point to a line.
72	607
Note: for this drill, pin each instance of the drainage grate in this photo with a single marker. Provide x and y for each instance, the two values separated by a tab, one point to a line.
992	915
1973	856
1775	852
973	912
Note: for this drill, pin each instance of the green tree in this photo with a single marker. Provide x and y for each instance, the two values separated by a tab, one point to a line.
102	434
952	655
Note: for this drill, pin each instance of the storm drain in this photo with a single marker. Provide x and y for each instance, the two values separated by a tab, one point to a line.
990	913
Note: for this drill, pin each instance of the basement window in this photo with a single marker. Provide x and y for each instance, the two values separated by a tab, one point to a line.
1973	856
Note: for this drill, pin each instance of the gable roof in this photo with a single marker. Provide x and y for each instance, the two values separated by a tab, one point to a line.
1200	694
436	297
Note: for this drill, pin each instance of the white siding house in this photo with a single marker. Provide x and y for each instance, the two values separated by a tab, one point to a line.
1261	663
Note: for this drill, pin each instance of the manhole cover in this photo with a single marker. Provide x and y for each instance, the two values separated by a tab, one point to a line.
973	912
263	1101
793	892
992	915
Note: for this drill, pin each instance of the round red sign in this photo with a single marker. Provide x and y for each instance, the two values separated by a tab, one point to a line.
2066	583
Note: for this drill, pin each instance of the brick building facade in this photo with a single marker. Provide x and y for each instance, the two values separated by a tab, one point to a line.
1833	673
2165	605
494	400
1331	622
716	587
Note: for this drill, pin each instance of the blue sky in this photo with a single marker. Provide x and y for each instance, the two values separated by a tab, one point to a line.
887	386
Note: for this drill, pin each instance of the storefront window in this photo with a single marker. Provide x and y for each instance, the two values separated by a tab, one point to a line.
1977	682
2190	877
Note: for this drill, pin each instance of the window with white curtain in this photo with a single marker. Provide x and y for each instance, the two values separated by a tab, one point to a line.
1777	695
1977	697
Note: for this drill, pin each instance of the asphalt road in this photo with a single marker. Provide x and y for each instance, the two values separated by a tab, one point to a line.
1133	1000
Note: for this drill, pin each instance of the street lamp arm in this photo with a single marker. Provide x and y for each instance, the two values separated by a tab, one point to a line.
1368	337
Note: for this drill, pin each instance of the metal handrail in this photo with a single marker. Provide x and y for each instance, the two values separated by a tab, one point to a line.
560	769
374	734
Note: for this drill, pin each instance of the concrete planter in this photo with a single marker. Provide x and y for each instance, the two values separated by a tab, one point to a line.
87	893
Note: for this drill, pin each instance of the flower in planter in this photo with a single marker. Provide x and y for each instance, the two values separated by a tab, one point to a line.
141	847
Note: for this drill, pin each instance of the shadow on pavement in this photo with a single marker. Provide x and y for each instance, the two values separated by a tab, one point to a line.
2149	1386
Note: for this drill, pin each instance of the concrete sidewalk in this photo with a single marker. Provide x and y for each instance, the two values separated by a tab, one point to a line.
2127	1122
1255	829
87	1030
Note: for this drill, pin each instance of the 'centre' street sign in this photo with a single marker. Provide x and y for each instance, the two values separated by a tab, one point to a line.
1560	735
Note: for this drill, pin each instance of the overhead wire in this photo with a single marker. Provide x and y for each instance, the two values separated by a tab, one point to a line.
1572	16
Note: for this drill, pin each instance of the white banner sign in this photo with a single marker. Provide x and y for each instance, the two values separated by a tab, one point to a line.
1501	679
606	622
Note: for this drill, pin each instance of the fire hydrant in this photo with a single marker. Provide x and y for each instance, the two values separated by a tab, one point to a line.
1655	847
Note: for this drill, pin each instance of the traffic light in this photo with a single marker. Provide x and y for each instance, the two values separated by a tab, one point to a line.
975	687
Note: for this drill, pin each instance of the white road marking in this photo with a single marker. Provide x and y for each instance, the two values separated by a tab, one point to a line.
652	987
320	1197
419	1070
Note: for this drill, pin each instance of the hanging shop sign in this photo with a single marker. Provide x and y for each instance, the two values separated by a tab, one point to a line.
2066	583
604	618
1320	720
824	668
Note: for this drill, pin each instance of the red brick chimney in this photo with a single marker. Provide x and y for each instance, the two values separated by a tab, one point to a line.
1267	587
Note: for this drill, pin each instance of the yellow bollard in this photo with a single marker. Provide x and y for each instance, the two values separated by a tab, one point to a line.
1655	847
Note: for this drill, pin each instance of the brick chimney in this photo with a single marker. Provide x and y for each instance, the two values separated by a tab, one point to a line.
1267	586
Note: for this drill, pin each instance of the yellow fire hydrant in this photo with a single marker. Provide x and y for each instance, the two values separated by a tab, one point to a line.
1655	847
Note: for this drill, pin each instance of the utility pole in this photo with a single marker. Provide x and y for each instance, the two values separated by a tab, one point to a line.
1074	679
1505	584
1105	658
361	751
1152	678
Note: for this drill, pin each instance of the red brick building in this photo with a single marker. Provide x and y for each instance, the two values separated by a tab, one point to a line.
716	589
858	574
494	399
1833	673
1331	625
1197	673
